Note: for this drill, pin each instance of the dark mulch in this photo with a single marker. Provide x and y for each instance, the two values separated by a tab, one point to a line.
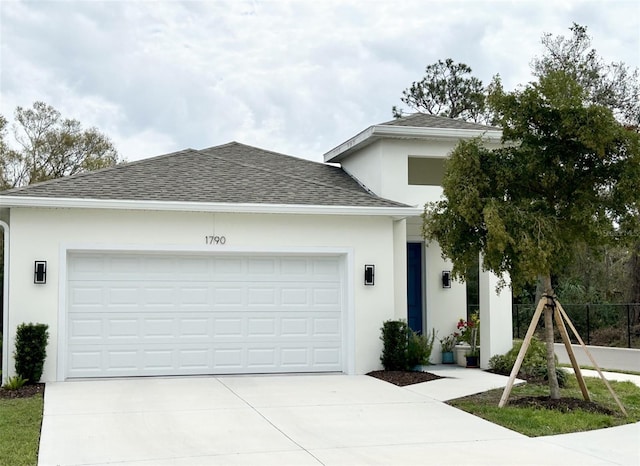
25	391
564	405
403	378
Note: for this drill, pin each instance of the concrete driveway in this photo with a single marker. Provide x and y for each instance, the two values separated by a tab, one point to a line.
298	420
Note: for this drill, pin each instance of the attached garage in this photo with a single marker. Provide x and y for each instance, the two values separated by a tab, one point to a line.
138	281
139	314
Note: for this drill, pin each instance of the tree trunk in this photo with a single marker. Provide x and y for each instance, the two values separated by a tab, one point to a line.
549	309
634	285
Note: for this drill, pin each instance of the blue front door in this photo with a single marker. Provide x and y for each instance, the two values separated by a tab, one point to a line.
414	286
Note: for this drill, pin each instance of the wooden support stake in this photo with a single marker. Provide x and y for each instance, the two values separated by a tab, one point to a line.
593	361
523	351
572	357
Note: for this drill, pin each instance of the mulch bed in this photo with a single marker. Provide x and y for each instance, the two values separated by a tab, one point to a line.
25	391
403	378
565	405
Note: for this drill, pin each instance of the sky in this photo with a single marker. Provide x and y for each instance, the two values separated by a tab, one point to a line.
292	76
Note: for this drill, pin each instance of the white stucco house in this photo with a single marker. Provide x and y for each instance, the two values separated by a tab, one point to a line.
234	259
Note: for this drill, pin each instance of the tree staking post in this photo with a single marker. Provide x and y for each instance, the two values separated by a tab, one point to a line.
593	361
523	351
560	317
570	353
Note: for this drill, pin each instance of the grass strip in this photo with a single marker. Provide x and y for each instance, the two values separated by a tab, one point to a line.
536	422
20	423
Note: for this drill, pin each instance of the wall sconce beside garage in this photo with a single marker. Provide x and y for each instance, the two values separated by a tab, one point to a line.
40	273
369	274
446	279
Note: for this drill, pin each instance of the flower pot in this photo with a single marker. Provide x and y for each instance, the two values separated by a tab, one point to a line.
460	350
473	361
448	357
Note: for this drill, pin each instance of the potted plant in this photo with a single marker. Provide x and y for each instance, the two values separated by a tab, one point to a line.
470	333
448	343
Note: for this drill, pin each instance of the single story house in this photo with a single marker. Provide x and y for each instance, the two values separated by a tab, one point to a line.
234	259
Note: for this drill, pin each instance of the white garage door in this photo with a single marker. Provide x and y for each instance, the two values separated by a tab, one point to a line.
133	314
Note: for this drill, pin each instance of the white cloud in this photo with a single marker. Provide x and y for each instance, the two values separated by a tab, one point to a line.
292	76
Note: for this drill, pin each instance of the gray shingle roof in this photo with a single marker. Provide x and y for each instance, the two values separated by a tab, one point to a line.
423	120
230	173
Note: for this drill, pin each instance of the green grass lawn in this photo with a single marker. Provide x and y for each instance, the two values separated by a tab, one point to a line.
535	422
20	422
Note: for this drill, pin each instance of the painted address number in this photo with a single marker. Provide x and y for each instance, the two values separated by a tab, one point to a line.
215	239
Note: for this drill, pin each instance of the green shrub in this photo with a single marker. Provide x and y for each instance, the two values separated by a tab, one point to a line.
534	365
14	383
403	349
394	351
419	348
31	350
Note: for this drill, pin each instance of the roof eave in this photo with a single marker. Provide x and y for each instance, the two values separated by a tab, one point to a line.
117	204
373	133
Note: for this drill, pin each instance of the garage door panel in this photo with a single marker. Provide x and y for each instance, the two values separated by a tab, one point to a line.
294	326
326	296
261	326
123	296
87	296
326	357
263	296
109	327
86	329
119	328
262	359
165	315
228	327
294	268
265	267
326	327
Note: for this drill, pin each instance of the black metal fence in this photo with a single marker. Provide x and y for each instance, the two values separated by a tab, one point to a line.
615	325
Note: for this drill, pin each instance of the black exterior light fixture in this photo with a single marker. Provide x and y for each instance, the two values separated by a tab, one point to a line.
40	273
369	274
446	279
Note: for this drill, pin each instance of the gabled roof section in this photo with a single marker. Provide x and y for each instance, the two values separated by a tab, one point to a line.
416	126
230	174
424	120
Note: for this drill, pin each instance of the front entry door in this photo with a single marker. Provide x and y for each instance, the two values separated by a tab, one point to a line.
414	286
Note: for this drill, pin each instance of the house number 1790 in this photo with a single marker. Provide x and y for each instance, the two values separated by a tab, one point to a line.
215	239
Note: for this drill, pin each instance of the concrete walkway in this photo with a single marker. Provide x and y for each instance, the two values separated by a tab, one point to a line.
299	420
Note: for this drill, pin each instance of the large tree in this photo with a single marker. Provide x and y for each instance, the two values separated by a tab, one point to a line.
564	175
617	87
613	85
447	89
48	146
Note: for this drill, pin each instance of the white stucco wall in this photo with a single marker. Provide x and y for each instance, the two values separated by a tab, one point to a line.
443	306
496	326
367	163
45	234
383	168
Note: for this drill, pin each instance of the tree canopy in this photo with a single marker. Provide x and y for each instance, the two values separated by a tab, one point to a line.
564	175
48	146
447	89
612	85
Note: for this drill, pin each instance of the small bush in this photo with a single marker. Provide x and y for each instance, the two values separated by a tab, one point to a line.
500	364
403	348
419	348
14	383
534	365
394	339
31	350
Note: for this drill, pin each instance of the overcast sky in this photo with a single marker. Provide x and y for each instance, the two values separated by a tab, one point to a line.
297	77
